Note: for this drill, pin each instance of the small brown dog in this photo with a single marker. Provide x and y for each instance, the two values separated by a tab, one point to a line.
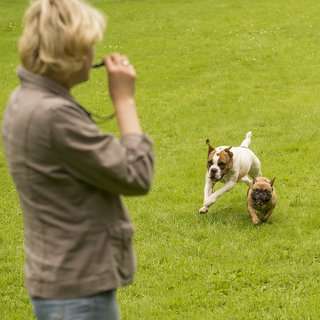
261	199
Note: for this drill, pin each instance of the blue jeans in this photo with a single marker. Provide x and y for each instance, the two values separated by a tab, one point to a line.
99	307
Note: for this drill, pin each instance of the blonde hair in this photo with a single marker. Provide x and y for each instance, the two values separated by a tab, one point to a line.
58	34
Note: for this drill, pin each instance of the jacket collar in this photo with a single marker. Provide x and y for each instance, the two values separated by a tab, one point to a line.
30	79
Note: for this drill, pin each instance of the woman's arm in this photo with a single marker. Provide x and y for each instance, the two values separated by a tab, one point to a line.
118	166
121	76
122	166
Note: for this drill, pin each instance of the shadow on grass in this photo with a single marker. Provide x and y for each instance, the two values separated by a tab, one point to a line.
228	215
234	216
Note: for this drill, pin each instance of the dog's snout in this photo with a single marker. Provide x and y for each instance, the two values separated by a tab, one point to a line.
267	196
213	173
261	195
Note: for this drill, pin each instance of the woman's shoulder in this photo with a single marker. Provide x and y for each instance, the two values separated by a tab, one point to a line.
43	108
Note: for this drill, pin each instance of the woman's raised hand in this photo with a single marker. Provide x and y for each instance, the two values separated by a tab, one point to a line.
121	76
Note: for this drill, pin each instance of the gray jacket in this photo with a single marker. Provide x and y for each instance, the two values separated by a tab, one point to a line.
69	177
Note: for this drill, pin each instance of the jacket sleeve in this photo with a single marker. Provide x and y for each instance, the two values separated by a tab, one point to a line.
118	166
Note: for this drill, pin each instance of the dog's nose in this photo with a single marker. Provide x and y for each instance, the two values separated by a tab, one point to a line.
213	171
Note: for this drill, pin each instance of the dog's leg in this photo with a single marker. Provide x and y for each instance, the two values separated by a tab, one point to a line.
246	180
207	189
254	218
267	216
246	142
215	195
255	170
207	193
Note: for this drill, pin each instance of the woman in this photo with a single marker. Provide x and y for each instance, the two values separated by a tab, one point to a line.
69	175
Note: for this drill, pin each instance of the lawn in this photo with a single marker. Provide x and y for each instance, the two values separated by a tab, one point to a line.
217	69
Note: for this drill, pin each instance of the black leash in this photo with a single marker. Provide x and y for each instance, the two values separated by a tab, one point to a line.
101	119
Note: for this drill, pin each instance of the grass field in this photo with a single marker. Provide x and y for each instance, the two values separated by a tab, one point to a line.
216	69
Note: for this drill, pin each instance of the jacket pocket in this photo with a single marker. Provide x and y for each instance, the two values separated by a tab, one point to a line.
122	251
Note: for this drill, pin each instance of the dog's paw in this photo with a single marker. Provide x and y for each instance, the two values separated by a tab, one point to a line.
203	210
249	134
255	220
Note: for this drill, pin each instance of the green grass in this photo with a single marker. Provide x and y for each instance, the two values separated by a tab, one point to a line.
217	69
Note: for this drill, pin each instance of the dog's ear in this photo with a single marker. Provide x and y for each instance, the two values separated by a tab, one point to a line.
227	150
272	181
253	182
210	147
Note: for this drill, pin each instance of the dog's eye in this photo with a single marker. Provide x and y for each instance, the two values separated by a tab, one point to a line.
221	164
210	163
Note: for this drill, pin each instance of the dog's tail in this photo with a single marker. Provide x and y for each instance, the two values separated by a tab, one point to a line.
247	140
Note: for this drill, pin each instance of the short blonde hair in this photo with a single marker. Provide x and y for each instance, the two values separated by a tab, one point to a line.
58	34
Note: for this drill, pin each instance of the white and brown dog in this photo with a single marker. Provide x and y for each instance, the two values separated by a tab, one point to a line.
229	165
